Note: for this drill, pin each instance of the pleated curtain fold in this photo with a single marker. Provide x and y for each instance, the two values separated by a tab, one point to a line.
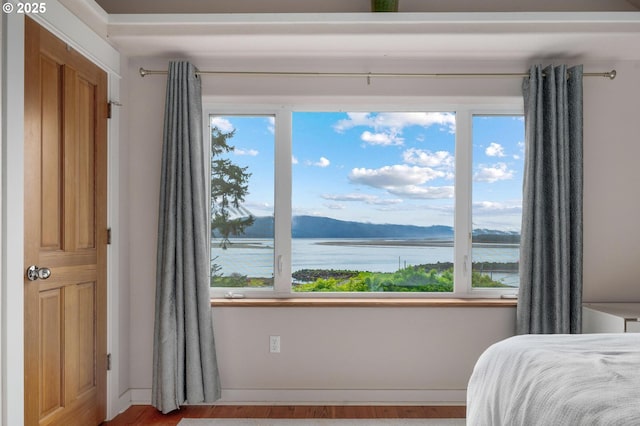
550	295
184	358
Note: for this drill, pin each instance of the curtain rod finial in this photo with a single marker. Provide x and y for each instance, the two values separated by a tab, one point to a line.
612	74
143	72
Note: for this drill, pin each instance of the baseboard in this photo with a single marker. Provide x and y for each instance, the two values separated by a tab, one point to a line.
343	396
325	397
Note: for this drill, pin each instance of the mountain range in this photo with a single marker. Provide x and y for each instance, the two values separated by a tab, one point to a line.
324	227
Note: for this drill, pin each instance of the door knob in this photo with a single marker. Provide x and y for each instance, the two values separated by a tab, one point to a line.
34	273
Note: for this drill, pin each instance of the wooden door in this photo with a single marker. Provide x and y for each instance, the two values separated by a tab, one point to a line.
65	231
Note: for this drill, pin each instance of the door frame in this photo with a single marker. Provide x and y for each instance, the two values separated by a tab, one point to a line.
66	26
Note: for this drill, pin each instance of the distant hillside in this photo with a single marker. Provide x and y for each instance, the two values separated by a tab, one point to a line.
324	227
493	236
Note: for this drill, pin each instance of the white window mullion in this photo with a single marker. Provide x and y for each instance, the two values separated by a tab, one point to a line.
282	207
463	228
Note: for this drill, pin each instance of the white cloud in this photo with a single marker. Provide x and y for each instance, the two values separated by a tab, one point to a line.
294	160
249	152
349	197
388	126
521	147
492	208
263	205
222	124
384	139
494	173
393	176
495	150
423	119
259	206
365	198
355	119
387	202
403	180
335	206
428	159
322	162
396	121
422	192
272	124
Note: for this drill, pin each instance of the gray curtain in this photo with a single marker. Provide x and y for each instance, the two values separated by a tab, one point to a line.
550	295
184	359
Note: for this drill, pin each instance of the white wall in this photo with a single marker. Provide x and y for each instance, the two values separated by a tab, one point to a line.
365	355
145	103
12	219
611	193
1	209
377	354
124	265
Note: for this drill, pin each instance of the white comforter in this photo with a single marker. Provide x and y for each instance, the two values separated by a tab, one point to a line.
588	379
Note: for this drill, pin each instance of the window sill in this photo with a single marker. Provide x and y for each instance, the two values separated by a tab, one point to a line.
364	303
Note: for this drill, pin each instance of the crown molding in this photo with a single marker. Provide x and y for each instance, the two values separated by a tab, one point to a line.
491	36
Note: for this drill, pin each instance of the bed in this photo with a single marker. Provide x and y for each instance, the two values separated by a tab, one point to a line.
587	379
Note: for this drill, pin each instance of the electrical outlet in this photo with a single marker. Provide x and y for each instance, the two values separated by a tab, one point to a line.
274	344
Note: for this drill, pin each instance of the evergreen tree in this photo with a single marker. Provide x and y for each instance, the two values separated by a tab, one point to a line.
229	186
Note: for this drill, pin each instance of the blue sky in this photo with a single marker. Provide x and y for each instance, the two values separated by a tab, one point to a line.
384	167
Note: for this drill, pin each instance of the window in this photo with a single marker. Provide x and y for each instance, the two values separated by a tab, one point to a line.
241	186
366	202
498	161
373	201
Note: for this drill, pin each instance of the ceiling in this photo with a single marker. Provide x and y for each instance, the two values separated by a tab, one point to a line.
271	32
351	6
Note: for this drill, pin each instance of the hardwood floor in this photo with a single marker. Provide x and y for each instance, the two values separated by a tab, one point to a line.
147	415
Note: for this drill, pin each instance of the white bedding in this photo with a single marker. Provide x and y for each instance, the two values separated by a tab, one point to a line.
588	379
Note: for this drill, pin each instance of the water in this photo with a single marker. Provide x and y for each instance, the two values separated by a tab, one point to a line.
255	257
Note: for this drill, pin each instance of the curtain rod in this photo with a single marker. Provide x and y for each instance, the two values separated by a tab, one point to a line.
144	72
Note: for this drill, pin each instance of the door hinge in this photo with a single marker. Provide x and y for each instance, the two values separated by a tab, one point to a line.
110	106
108	362
108	235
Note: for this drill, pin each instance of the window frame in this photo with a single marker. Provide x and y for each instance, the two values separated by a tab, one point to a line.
464	108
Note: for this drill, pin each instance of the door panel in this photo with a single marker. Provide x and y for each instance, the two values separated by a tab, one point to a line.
51	346
50	74
86	336
86	171
65	231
